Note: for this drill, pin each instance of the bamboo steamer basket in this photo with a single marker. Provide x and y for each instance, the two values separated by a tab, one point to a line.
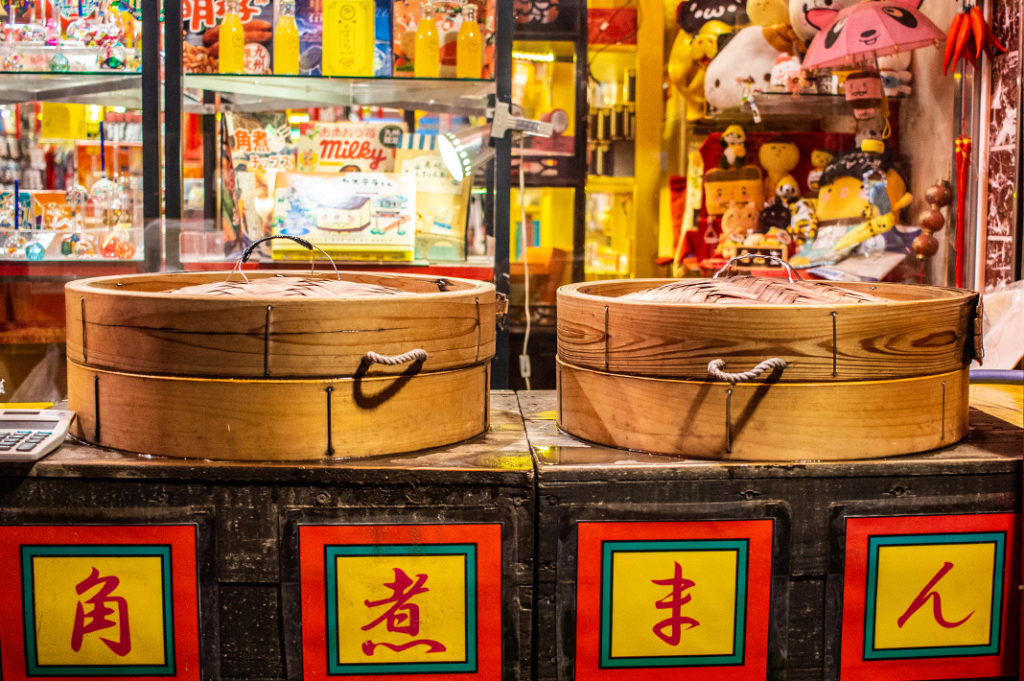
278	377
860	380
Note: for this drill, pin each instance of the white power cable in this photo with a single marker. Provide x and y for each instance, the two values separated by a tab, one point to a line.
524	355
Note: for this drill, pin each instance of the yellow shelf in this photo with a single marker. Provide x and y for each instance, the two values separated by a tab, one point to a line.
610	183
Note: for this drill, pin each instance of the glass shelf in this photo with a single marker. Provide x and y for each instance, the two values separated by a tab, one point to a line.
108	88
256	93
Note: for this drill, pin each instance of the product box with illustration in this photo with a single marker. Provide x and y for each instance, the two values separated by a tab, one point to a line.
351	216
202	19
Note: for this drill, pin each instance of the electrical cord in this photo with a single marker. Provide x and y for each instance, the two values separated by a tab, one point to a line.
524	355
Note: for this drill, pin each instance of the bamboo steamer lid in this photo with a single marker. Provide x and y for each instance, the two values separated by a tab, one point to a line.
290	366
911	331
880	370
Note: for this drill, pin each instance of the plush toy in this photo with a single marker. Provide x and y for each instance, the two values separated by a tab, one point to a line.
734	147
874	128
807	16
856	188
767	12
786	73
787	190
819	159
803	221
721	187
692	14
747	55
864	94
739	219
774	215
688	62
896	74
778	156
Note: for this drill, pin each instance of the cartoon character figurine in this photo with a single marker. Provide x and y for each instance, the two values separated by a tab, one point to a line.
819	159
864	94
778	156
734	147
860	198
787	190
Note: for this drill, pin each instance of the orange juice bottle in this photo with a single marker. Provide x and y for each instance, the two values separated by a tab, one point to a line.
232	41
286	40
348	37
469	48
427	55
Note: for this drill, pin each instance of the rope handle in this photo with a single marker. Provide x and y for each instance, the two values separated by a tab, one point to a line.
302	242
749	256
715	367
414	355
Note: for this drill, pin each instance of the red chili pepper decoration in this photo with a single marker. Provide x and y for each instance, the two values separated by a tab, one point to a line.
969	35
963	171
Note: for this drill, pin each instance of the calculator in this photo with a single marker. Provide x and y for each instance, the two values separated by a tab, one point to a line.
30	434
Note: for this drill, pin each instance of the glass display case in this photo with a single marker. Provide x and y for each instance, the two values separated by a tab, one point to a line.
172	144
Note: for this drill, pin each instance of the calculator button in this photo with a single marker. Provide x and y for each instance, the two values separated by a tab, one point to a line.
26	447
5	447
23	432
43	433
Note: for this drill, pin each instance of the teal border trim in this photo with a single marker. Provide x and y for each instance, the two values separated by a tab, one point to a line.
609	548
33	668
333	552
998	539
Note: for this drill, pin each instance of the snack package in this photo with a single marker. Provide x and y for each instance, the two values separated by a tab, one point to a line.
261	147
202	19
309	19
441	202
351	216
344	146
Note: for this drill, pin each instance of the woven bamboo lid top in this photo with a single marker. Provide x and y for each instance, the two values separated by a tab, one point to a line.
289	287
751	291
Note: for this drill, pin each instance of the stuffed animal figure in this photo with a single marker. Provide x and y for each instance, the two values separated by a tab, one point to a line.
734	147
819	159
778	157
807	16
896	73
739	219
768	12
688	62
787	190
692	14
747	55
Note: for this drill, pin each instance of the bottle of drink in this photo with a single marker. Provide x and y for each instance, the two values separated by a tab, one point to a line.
469	49
427	57
286	40
348	38
231	40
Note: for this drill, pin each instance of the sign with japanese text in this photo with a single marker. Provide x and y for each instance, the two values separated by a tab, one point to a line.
672	598
408	601
99	601
930	597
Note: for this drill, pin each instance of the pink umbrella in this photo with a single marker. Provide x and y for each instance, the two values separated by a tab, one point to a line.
868	30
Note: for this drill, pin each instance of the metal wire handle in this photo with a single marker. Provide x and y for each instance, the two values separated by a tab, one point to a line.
301	242
414	355
789	270
715	367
